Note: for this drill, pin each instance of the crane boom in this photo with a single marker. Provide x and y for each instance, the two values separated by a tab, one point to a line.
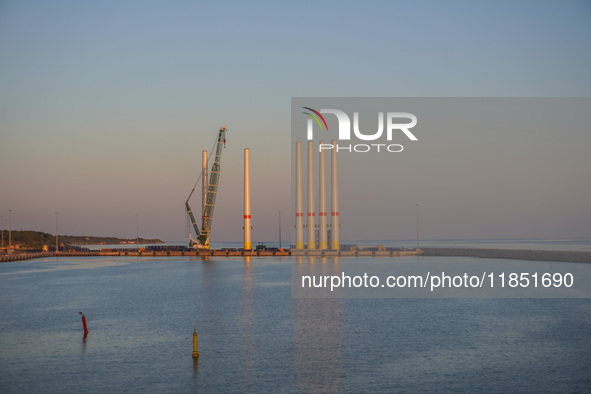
202	240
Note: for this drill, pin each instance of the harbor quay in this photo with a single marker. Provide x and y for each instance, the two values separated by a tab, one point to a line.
514	254
211	252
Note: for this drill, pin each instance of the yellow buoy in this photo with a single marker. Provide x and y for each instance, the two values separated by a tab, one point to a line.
195	352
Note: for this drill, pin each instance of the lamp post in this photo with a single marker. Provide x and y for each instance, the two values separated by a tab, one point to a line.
57	249
137	231
417	226
279	229
2	218
9	229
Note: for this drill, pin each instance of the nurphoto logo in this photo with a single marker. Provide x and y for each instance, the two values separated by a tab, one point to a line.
393	127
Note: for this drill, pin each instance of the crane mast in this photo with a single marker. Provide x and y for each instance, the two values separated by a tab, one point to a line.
202	241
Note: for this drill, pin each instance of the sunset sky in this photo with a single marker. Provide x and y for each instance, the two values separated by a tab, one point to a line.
106	106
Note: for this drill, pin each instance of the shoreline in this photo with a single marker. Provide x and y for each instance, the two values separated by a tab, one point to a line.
513	254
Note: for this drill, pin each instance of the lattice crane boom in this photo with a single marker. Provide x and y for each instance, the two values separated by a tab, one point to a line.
202	240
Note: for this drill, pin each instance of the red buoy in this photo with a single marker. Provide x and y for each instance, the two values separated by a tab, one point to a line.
84	324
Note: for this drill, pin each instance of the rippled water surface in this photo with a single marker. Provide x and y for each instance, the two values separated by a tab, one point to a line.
253	336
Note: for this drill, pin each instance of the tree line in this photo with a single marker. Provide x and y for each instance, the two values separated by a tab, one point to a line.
37	239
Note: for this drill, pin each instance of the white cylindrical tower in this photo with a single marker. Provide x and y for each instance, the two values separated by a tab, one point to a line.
335	244
322	239
247	223
311	214
299	199
204	181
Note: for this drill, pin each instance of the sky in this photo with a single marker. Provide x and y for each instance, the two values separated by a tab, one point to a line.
106	106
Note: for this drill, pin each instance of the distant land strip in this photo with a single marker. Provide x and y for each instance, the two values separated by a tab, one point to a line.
26	239
516	254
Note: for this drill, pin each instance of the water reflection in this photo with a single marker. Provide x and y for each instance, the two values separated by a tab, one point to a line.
248	340
195	369
84	343
255	336
319	359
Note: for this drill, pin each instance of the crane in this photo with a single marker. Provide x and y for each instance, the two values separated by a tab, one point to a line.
202	241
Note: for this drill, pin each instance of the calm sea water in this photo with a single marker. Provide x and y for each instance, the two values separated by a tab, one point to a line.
254	337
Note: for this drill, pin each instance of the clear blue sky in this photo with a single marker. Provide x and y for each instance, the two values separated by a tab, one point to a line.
106	106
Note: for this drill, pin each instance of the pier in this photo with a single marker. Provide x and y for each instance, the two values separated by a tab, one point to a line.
354	253
40	255
199	253
263	253
132	253
514	254
211	252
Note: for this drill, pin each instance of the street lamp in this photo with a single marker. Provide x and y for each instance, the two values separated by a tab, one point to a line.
57	245
417	226
279	229
137	231
9	229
